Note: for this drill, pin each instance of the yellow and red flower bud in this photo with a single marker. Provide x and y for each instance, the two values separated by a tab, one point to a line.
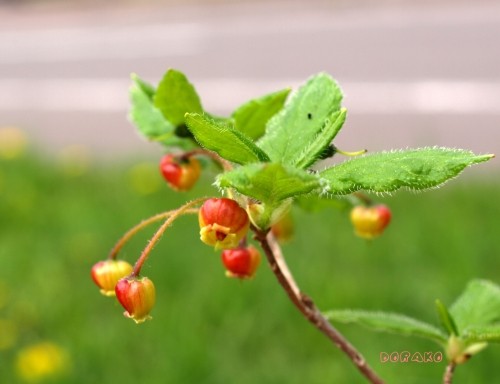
223	223
180	173
242	262
107	273
370	222
137	295
283	229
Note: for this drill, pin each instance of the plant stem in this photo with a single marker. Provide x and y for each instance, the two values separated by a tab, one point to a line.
360	197
156	237
306	305
226	165
144	223
448	373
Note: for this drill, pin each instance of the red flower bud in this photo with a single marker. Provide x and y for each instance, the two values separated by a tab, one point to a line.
107	273
223	223
370	222
241	262
137	296
180	173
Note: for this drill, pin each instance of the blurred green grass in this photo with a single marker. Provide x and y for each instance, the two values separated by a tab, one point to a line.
56	223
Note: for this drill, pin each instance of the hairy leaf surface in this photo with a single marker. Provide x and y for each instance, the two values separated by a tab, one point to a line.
251	118
269	182
222	138
416	169
297	125
176	96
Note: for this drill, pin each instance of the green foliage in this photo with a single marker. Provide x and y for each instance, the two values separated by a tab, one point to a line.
269	182
144	86
322	141
299	135
176	96
416	169
298	124
446	319
480	333
388	322
220	137
479	305
147	118
251	118
470	324
291	136
159	115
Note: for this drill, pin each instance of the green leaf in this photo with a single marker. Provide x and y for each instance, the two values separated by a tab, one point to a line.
482	333
478	305
446	319
416	169
176	96
270	182
251	117
222	138
320	143
389	322
149	120
296	126
147	88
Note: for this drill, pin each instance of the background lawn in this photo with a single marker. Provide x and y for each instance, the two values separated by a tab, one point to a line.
58	219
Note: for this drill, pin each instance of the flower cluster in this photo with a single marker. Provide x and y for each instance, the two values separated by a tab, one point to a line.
116	278
224	224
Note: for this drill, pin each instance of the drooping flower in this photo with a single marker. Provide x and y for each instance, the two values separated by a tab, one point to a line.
370	222
137	295
241	262
223	223
107	273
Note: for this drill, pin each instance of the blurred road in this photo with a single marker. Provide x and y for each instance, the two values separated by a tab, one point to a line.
412	75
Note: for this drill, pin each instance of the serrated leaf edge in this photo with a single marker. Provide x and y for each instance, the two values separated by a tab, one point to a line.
328	194
226	126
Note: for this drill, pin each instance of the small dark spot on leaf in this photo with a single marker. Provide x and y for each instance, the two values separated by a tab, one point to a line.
183	131
309	116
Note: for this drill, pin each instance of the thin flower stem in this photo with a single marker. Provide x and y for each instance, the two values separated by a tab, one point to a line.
360	197
306	305
143	224
156	237
448	373
226	165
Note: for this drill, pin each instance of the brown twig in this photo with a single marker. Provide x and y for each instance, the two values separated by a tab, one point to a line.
306	305
448	373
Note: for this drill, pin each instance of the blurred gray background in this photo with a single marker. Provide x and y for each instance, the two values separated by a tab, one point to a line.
414	73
